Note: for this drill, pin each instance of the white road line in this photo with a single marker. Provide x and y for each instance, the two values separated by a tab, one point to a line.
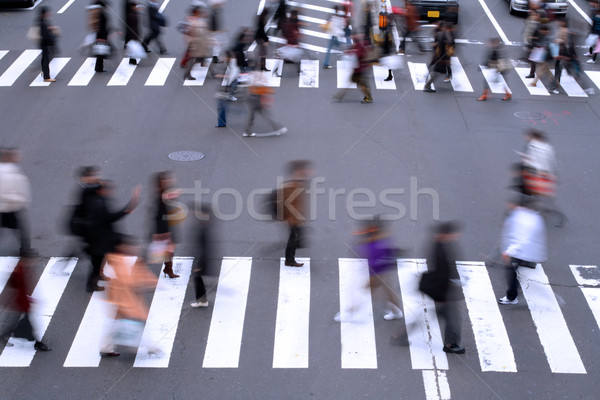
570	85
56	65
311	7
314	20
494	79
309	74
7	266
276	67
160	72
460	81
231	73
18	67
163	6
227	323
552	328
580	11
436	385
538	90
309	32
583	274
356	314
163	317
85	73
380	73
290	348
3	53
494	22
199	72
595	77
64	8
344	73
261	7
123	73
46	295
419	74
592	296
493	345
318	49
423	329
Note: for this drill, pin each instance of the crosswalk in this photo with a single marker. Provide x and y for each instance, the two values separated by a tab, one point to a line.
159	72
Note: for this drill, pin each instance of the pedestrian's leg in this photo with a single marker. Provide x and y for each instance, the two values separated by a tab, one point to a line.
453	317
23	226
99	67
222	109
266	114
252	108
292	243
532	69
328	54
199	287
94	276
511	278
45	62
432	75
188	72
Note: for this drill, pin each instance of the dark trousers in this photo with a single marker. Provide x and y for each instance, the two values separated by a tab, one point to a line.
294	241
16	220
99	64
511	276
406	34
450	313
94	275
222	112
199	287
46	62
154	35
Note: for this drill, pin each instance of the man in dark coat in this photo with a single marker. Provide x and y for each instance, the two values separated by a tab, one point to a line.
132	26
155	21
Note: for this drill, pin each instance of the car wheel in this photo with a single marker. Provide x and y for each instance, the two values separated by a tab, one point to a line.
511	9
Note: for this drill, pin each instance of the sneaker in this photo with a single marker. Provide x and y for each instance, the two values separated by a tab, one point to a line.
389	316
446	80
588	54
590	61
327	67
590	91
367	100
282	131
505	300
337	317
454	348
554	91
246	134
199	303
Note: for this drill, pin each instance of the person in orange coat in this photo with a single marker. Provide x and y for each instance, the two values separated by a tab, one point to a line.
411	26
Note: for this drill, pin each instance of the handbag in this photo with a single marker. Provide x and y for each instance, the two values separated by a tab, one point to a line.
100	48
392	62
134	49
34	33
127	332
433	286
538	54
591	39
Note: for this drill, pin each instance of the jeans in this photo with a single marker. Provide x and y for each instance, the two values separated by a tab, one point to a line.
332	42
511	276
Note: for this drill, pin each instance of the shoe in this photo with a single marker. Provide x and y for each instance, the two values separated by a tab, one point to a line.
554	91
282	131
454	348
168	270
41	346
220	126
189	78
590	61
109	354
327	67
293	264
392	315
366	100
428	90
505	300
199	303
484	95
530	76
95	289
533	84
508	96
132	62
590	91
49	80
588	54
446	80
246	134
337	317
389	78
233	98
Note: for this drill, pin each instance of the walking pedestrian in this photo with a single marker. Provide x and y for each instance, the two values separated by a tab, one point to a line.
102	45
443	49
48	36
259	101
335	28
203	254
166	217
411	27
262	39
155	22
496	61
541	52
531	26
593	38
199	47
359	52
132	26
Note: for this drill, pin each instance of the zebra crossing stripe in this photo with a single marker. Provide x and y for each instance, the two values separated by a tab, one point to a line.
160	72
595	77
123	73
585	275
592	296
85	73
199	72
344	73
3	53
311	7
18	67
309	74
227	323
273	78
380	73
7	266
460	81
422	325
47	294
163	317
552	328
494	79
418	74
290	349
538	90
436	385
56	65
356	315
569	84
493	345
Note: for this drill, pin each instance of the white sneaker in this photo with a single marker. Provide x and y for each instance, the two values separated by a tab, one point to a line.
246	134
590	61
337	317
282	131
554	91
590	91
197	304
392	315
588	54
505	300
446	80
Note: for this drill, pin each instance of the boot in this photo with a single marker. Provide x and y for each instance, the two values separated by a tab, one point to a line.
508	95
484	96
389	77
169	270
263	64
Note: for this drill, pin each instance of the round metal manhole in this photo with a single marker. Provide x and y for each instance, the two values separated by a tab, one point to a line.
186	155
529	115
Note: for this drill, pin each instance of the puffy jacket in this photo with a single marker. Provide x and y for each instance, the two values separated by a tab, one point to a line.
524	235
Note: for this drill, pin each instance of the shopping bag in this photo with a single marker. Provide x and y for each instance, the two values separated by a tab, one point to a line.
34	33
291	53
392	62
134	49
538	54
100	49
591	39
127	332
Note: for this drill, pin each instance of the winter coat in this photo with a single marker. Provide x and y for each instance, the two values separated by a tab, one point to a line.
102	236
200	45
524	235
132	25
539	156
15	190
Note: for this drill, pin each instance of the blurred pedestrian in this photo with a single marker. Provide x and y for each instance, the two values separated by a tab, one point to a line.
48	37
262	39
203	248
102	48
259	101
541	53
593	38
335	28
15	196
497	62
199	47
215	27
531	26
280	16
360	55
132	27
411	27
443	49
156	20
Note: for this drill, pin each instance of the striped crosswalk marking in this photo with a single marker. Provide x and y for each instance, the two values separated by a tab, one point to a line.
494	79
538	90
493	345
160	72
295	4
18	67
3	53
552	328
423	328
380	73
344	73
56	65
569	84
199	72
460	81
356	315
85	73
123	73
309	74
227	323
419	74
7	266
163	317
595	77
272	78
47	293
436	385
589	275
290	349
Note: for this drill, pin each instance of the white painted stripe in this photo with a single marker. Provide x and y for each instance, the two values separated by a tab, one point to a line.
493	345
227	323
538	90
595	77
306	46
18	67
494	79
97	320
309	74
3	53
356	314
85	73
199	72
123	73
64	8
56	65
344	73
163	317
580	11
314	20
46	295
311	7
552	328
494	22
292	325
583	274
419	74
275	66
592	296
436	385
7	266
460	81
424	333
309	32
380	73
163	6
261	7
569	84
160	72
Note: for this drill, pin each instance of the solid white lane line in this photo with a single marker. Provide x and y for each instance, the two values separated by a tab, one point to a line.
309	74
344	73
583	274
460	81
552	328
419	73
123	73
18	67
227	323
85	73
160	72
436	385
46	295
380	73
493	345
163	6
538	90
580	11
424	333
356	315
494	79
7	266
56	65
163	317
290	349
494	22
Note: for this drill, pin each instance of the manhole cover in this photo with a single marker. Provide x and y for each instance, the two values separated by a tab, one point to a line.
529	115
186	155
